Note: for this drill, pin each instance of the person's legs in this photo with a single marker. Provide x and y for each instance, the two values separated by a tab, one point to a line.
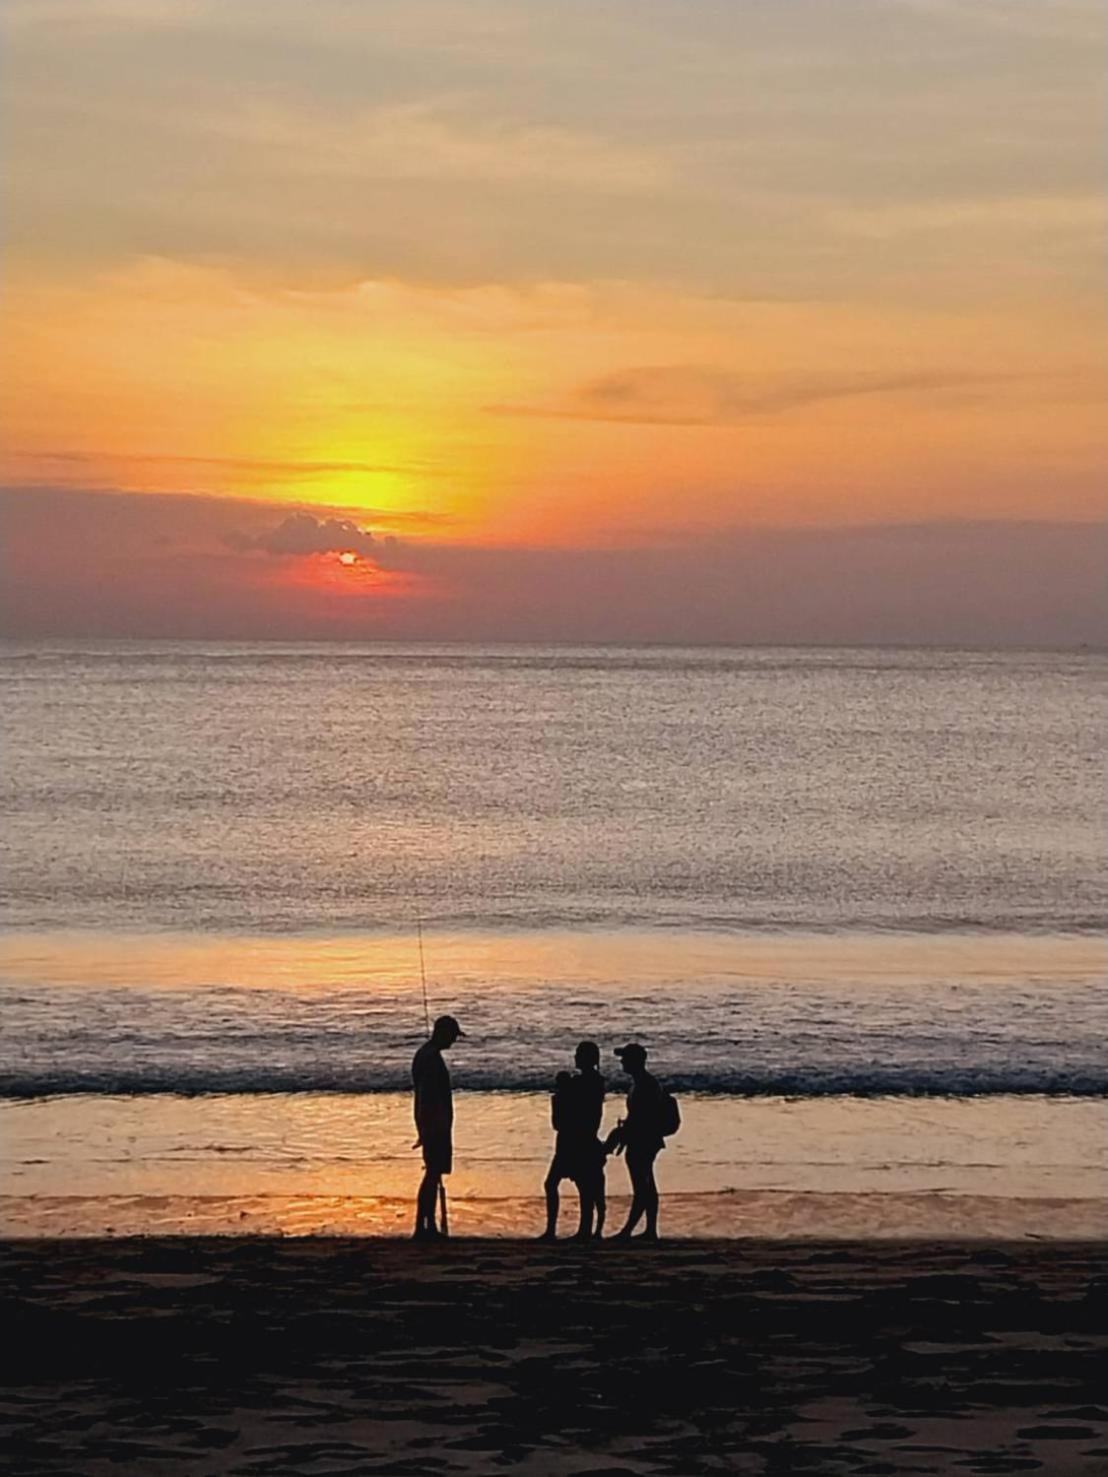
644	1201
599	1200
427	1203
550	1187
584	1181
650	1197
634	1216
638	1208
438	1160
590	1185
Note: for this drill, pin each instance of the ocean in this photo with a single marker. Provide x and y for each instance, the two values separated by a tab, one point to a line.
850	900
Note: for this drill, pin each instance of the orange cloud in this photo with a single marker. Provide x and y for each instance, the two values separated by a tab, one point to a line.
701	395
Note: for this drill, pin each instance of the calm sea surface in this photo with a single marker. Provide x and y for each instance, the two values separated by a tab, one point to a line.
261	789
807	879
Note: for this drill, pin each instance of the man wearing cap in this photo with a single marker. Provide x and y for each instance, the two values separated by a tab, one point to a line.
640	1135
434	1120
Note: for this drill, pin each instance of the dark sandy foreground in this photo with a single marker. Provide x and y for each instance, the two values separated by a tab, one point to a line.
326	1356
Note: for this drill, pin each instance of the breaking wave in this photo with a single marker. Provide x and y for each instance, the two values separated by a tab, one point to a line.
868	1082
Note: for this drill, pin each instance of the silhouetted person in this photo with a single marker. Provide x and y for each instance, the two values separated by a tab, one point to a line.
576	1109
434	1120
640	1135
591	1087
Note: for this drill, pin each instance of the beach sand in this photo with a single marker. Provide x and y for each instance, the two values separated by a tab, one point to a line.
344	1356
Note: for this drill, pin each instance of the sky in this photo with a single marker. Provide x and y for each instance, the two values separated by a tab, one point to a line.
707	320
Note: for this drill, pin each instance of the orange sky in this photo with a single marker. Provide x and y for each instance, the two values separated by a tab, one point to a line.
555	277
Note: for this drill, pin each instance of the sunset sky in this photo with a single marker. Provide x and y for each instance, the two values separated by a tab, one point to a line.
702	320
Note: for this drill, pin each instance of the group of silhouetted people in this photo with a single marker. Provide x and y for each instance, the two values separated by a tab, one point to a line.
580	1154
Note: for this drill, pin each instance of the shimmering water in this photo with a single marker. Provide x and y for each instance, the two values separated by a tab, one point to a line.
247	787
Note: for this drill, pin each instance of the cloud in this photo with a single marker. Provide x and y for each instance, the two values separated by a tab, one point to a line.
431	140
700	395
296	467
458	140
1061	20
107	564
301	534
108	527
108	14
1030	216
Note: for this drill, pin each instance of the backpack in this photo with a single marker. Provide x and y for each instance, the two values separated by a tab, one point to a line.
669	1114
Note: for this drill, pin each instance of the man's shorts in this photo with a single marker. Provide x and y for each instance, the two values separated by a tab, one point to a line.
438	1154
577	1164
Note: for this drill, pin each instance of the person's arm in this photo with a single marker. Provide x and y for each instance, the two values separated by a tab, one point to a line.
598	1107
417	1090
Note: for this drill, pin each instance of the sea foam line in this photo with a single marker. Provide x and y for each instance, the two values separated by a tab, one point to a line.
799	1083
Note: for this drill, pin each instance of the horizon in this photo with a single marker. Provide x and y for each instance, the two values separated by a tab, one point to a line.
428	646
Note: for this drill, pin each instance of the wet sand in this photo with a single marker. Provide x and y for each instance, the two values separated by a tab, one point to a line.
773	1215
316	1356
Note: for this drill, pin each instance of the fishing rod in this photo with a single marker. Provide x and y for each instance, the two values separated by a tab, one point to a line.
423	977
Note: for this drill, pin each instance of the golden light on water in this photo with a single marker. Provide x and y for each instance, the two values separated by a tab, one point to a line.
498	960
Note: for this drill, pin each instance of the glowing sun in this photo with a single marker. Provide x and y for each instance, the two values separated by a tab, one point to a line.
346	557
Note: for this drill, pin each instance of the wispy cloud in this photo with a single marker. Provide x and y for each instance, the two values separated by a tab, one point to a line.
1041	20
109	14
296	467
460	141
700	395
1028	214
440	140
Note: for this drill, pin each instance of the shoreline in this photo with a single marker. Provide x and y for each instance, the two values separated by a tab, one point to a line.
739	1216
264	1355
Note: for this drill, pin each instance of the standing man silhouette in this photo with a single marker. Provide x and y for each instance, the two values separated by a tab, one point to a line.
590	1088
434	1120
641	1135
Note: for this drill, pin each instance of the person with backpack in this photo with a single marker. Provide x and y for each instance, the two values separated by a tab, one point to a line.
652	1114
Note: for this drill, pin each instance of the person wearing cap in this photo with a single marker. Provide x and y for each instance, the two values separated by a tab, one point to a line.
434	1120
639	1135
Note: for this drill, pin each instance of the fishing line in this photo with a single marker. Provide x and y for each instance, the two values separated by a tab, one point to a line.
423	977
